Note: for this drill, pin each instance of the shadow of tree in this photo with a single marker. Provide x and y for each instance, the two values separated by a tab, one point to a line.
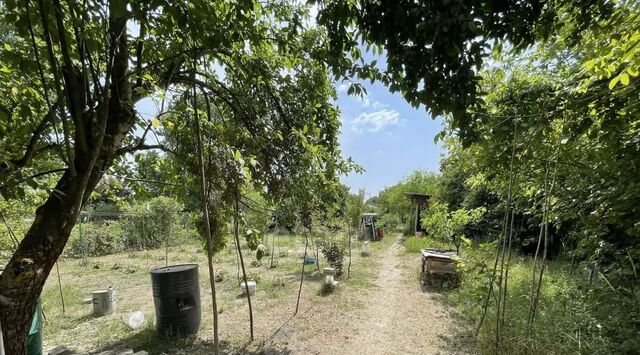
149	340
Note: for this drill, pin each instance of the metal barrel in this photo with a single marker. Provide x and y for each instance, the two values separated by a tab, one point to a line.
176	295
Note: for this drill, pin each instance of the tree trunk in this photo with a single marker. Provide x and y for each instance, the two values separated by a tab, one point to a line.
27	271
95	145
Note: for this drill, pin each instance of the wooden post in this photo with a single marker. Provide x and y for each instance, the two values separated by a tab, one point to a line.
415	226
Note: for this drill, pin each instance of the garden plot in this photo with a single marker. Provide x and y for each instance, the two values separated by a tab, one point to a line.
128	273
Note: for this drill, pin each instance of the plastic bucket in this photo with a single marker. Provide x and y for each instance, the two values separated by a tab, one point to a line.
34	339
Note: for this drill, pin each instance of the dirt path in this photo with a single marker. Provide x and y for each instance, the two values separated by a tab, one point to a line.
394	317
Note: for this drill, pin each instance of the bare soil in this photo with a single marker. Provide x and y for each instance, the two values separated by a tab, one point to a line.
380	309
395	316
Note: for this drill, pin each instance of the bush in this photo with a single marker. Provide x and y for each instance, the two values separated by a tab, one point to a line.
334	253
141	226
97	239
150	224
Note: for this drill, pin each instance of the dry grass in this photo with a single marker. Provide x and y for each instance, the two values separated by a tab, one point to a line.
128	273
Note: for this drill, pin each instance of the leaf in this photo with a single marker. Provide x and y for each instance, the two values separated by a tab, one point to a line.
7	46
155	123
624	78
613	82
589	64
632	72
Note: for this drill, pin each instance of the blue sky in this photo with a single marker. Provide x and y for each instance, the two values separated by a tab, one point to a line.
381	132
386	136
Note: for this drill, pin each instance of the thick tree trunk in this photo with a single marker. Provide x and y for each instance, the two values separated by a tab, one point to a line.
27	271
29	267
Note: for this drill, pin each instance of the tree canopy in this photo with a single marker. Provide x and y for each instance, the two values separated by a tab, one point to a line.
434	50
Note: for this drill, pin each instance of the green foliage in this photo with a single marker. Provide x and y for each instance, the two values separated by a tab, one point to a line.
98	239
15	219
450	226
434	48
355	206
334	254
219	230
576	316
149	225
394	207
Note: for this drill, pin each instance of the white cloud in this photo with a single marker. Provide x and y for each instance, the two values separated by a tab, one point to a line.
375	121
342	87
379	105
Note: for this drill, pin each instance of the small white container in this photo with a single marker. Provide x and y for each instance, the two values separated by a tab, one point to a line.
251	285
365	249
104	301
328	280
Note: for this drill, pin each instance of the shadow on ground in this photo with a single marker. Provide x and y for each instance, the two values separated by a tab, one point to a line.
149	340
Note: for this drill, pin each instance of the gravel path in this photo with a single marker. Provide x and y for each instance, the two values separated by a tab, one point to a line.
395	317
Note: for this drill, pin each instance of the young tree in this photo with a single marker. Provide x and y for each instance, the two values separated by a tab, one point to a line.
449	226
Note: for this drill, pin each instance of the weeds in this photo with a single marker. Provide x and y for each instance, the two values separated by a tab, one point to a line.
574	316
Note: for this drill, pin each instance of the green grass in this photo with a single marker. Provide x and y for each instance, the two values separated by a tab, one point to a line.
414	244
573	316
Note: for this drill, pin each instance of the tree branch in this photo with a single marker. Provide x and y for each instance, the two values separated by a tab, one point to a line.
56	83
31	150
139	147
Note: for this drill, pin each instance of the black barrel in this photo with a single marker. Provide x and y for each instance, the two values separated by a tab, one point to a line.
176	295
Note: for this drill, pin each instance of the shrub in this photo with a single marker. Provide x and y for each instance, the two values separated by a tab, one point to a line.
141	226
573	315
334	253
97	239
150	224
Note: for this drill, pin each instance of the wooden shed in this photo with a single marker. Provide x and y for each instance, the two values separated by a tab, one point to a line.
419	202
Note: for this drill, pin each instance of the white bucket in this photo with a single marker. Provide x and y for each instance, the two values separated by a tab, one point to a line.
104	301
251	285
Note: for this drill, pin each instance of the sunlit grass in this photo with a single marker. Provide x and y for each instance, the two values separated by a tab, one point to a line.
414	244
573	316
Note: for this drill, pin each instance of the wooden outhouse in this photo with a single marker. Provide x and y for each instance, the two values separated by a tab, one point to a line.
419	202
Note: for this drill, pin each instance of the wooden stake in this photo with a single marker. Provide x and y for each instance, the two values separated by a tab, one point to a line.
244	272
306	244
60	287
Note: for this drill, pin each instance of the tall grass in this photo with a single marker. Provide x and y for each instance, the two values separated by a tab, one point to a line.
573	315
